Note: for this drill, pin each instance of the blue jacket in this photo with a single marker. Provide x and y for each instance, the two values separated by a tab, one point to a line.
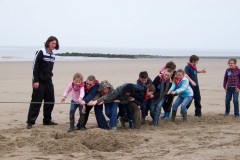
90	94
183	89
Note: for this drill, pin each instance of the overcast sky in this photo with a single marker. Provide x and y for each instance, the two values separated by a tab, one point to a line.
166	24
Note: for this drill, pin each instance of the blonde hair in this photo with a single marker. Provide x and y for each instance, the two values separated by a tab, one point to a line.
78	75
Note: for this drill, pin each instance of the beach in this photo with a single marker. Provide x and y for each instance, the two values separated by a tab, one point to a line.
211	136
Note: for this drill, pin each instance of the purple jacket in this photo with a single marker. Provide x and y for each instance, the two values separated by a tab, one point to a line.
232	78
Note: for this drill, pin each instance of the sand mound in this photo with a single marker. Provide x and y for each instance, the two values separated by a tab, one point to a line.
61	142
108	141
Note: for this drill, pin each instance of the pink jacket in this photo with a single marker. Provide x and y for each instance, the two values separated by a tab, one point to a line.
76	93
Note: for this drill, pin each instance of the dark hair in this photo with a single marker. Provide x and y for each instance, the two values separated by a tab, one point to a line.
181	70
193	58
171	65
151	87
91	78
50	39
170	70
233	59
143	74
129	88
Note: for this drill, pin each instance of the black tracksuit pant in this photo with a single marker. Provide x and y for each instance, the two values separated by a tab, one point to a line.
197	100
45	92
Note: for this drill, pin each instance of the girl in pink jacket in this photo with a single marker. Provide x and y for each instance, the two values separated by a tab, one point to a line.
77	89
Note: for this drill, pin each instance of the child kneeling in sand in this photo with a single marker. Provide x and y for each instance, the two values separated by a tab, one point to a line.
181	87
77	89
106	95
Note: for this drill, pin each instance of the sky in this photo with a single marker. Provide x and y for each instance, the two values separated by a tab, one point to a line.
163	24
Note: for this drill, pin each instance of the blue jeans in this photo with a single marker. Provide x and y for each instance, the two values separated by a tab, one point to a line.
183	101
147	106
111	113
157	111
231	92
74	106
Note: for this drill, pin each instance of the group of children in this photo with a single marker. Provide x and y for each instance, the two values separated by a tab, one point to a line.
132	102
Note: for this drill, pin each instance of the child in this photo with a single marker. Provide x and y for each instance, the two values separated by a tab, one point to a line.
105	95
162	85
231	84
181	87
169	98
77	89
144	80
192	71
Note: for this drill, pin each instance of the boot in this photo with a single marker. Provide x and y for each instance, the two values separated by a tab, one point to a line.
174	115
81	125
131	124
167	116
184	117
164	115
71	129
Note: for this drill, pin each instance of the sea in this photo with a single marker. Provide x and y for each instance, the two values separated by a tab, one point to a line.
27	53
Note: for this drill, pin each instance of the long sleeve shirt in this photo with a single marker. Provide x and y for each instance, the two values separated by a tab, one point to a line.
232	78
77	93
183	88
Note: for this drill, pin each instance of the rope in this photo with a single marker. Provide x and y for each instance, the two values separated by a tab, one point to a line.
37	103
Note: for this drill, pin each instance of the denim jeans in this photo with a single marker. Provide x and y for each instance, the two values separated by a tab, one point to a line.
157	111
98	110
147	106
111	113
183	101
74	106
231	92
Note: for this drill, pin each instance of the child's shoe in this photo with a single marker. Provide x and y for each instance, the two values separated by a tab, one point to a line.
167	116
131	124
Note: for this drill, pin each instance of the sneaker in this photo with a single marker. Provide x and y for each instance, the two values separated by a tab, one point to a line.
29	126
50	123
226	114
114	129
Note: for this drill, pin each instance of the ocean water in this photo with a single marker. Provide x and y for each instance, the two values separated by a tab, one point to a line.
14	53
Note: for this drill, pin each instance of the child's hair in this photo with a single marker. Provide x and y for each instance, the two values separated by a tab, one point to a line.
91	78
151	87
181	71
143	74
193	58
77	75
170	70
233	59
171	65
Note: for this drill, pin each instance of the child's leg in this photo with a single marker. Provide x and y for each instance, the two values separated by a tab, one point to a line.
184	103
158	112
175	106
236	104
73	108
228	100
136	114
197	100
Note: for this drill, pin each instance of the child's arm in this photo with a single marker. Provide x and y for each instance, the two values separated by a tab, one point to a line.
225	79
190	80
172	88
66	92
202	71
81	95
185	84
84	109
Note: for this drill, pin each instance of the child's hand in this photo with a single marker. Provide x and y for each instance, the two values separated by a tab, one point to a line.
84	110
169	92
204	70
63	99
116	101
174	93
238	90
131	99
82	103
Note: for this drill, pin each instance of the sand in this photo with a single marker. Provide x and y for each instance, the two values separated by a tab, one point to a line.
212	136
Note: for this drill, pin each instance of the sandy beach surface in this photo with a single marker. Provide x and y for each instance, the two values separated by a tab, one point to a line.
212	136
